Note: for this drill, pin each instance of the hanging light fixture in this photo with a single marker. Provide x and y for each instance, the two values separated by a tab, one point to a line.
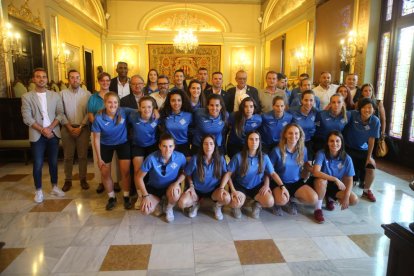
185	40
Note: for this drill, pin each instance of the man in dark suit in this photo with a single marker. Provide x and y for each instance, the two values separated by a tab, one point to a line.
202	76
137	88
120	84
217	85
236	94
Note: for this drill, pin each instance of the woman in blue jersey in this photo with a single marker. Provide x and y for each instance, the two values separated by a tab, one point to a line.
197	99
110	134
360	134
210	120
241	122
333	171
335	117
290	160
272	124
144	128
305	115
176	118
250	170
204	173
165	173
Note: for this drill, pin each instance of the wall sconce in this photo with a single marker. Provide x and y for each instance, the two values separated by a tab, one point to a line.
63	54
302	56
11	41
348	51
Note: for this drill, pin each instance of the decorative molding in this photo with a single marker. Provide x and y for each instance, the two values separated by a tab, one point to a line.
25	14
279	9
177	21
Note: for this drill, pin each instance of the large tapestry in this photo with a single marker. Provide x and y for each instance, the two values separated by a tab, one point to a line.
166	59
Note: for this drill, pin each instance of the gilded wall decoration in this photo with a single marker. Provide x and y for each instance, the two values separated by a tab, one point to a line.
242	58
25	14
88	8
129	54
166	59
282	8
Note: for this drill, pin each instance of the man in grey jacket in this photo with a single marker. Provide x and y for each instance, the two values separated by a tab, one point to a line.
42	111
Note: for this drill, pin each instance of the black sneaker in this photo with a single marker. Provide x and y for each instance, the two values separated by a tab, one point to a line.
100	188
127	202
117	189
111	203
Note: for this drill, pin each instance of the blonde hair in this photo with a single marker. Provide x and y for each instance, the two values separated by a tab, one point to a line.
299	147
343	105
106	97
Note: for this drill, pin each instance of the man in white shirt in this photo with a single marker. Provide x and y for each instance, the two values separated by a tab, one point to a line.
120	84
42	111
325	89
75	130
236	94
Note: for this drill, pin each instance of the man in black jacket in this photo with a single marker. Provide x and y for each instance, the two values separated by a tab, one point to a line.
120	84
137	88
235	95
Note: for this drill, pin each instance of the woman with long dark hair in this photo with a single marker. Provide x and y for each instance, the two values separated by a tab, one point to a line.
151	85
176	118
195	95
333	171
251	169
241	122
204	172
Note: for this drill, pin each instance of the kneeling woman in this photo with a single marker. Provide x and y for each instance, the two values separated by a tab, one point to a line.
251	169
290	160
333	171
204	173
165	168
110	134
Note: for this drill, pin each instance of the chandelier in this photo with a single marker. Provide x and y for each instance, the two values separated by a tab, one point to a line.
185	40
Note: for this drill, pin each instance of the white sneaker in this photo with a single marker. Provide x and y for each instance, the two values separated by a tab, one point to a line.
56	191
277	210
192	213
38	196
256	210
237	213
217	212
169	214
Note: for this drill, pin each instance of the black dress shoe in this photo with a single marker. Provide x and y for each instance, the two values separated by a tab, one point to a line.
67	185
84	184
127	202
100	188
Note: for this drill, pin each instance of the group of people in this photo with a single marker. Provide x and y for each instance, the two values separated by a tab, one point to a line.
284	147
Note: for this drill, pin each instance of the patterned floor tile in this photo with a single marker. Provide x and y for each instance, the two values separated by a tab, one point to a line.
258	252
12	177
7	256
127	257
372	244
51	205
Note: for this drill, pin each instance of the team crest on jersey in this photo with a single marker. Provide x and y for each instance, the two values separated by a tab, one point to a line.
254	124
340	166
367	127
220	123
284	123
183	121
153	124
107	123
122	120
313	118
342	121
174	165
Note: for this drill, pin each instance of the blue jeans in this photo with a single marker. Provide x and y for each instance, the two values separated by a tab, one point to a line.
38	152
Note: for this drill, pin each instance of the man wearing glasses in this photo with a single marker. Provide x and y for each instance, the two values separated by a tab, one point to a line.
137	88
163	85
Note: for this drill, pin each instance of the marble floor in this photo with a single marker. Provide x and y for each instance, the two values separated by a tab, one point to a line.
76	236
